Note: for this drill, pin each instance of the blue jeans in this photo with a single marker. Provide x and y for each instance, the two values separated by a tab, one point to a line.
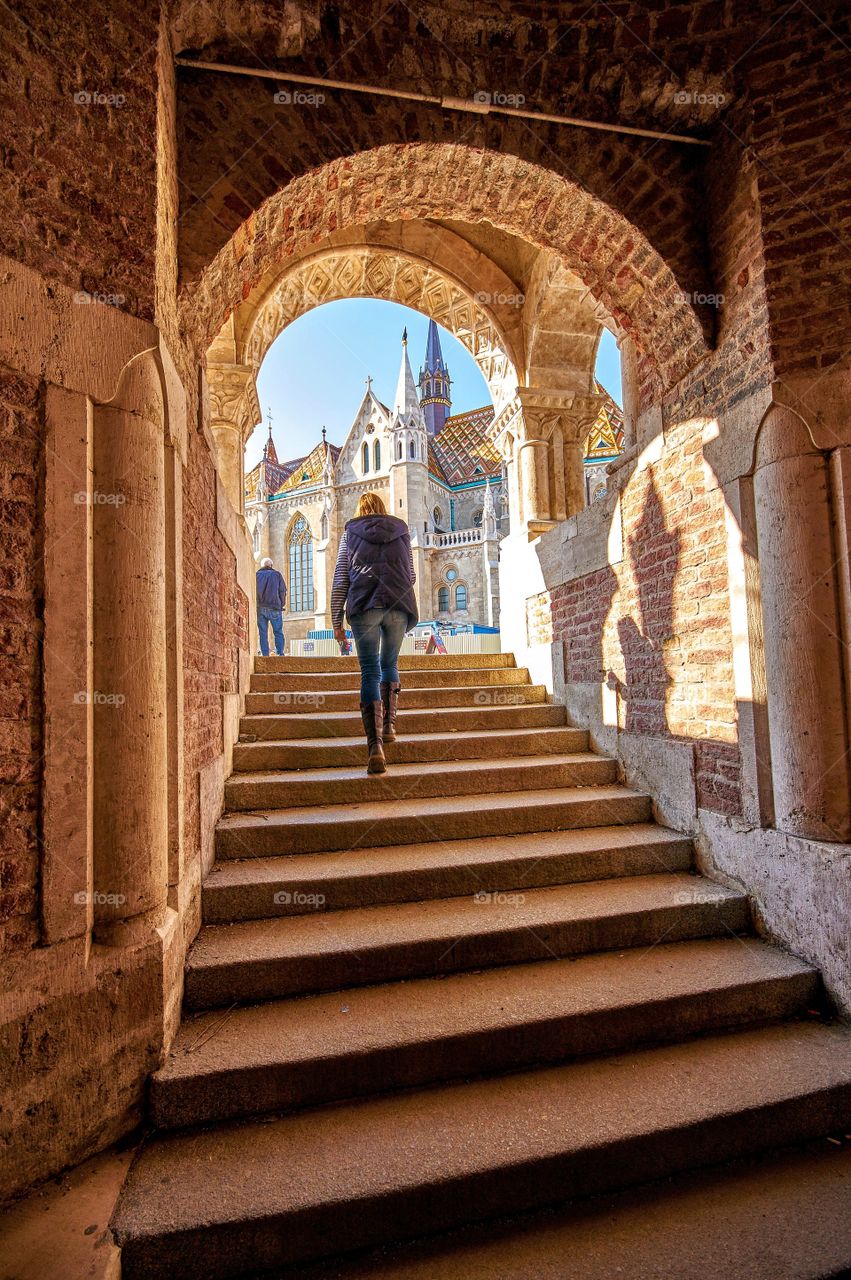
378	637
264	617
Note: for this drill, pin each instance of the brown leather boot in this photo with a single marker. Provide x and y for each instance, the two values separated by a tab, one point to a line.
390	698
372	715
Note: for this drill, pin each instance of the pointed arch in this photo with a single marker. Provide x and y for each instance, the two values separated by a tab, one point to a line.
300	597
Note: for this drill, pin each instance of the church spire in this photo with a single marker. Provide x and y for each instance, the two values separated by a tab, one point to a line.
406	402
434	383
270	453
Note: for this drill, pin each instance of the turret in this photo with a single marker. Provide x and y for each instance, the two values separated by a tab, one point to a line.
434	384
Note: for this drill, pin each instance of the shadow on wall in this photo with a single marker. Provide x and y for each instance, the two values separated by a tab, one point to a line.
651	634
654	553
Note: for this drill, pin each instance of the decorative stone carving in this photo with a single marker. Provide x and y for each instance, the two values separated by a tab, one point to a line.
540	434
382	273
234	413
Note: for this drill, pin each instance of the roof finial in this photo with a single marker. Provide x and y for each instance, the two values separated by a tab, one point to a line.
323	435
368	381
405	336
269	420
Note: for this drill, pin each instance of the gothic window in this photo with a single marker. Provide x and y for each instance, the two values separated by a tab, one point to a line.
257	539
412	449
365	457
323	527
437	516
443	600
460	596
376	456
301	566
477	518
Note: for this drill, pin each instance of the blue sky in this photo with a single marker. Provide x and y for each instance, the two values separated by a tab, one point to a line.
314	373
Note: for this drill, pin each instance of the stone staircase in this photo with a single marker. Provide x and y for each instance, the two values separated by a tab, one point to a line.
506	979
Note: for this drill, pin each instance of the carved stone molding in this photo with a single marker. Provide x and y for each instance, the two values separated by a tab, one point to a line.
390	274
233	397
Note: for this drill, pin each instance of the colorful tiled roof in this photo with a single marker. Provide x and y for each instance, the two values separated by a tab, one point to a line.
605	439
462	449
308	471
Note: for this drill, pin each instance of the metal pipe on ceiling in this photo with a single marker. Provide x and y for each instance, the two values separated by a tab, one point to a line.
484	107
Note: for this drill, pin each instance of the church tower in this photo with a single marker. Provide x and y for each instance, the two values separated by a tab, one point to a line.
434	384
409	465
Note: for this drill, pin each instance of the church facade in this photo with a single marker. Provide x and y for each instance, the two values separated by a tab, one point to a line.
438	471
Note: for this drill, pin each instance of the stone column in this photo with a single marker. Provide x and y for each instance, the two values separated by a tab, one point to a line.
234	413
556	423
130	754
803	651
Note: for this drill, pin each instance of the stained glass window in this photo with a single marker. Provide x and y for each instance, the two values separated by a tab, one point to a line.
460	596
443	600
301	566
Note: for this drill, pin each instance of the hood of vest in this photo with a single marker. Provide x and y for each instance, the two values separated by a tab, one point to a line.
378	530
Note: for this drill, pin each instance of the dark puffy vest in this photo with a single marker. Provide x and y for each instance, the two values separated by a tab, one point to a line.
380	566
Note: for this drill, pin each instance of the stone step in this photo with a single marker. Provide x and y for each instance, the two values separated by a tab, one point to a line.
296	1053
266	959
260	887
351	783
348	724
407	662
777	1216
244	1198
318	700
432	678
324	828
419	748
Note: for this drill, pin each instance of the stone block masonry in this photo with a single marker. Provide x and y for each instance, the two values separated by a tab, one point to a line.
654	627
21	604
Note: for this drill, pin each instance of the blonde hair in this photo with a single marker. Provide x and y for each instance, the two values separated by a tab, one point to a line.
370	504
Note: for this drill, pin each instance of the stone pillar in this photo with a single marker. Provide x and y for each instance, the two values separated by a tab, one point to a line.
130	755
234	413
803	651
549	427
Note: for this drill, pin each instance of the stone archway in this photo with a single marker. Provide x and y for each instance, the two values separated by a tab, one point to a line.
431	181
371	272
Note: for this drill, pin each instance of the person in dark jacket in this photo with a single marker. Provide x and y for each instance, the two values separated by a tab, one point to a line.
271	599
374	584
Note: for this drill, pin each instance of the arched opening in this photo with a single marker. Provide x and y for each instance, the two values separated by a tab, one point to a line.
300	562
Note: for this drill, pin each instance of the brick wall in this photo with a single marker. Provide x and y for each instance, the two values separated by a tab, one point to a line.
215	626
655	626
78	107
799	81
21	611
